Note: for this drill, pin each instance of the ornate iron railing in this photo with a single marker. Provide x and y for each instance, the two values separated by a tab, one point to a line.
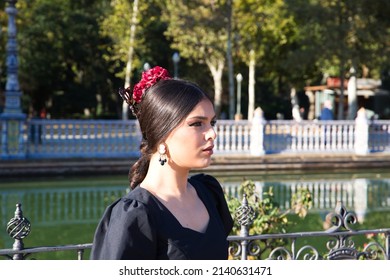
339	240
339	244
19	227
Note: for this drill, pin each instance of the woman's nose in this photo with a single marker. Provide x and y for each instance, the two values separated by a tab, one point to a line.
211	134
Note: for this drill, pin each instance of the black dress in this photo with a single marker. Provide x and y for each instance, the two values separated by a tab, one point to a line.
139	227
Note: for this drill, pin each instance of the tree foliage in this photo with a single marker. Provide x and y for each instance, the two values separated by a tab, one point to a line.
73	53
267	28
198	31
336	35
60	51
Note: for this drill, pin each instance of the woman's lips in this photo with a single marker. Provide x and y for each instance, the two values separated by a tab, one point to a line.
209	150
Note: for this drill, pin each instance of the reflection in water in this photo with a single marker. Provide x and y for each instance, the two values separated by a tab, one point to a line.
56	206
76	205
358	195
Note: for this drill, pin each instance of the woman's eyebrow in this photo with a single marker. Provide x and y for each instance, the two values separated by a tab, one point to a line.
201	118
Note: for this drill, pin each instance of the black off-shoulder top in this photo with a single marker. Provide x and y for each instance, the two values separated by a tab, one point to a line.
139	227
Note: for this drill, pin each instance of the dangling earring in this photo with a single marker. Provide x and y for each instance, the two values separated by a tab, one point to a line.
163	156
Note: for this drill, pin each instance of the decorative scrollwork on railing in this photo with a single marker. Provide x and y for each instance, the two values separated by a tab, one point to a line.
341	242
306	252
341	219
245	246
344	253
280	253
342	248
332	244
371	251
253	248
235	249
374	251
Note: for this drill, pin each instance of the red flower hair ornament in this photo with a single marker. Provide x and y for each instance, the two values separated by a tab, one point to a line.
149	78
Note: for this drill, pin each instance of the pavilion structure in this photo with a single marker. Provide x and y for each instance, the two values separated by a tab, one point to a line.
368	95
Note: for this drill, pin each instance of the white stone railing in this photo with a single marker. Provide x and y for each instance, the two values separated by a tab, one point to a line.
379	136
309	136
117	138
359	136
82	138
233	137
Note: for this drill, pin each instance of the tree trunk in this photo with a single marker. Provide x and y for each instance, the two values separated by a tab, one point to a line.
125	107
216	70
230	62
251	85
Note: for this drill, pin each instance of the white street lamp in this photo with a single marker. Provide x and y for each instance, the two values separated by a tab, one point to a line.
238	110
176	59
146	66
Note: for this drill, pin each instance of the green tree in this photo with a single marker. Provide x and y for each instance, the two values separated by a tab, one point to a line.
335	35
137	39
61	50
73	54
265	32
198	30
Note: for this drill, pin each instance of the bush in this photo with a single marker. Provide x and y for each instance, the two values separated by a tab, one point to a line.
263	214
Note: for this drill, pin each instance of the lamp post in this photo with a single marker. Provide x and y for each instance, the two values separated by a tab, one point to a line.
13	144
238	115
146	66
176	59
352	94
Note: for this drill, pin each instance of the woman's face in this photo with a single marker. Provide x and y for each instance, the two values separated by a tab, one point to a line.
190	145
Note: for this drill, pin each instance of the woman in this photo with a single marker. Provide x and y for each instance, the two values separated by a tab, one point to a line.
168	215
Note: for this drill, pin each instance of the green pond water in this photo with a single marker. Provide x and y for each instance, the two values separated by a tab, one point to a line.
66	210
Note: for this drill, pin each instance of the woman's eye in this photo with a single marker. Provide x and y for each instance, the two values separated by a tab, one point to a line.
196	124
213	123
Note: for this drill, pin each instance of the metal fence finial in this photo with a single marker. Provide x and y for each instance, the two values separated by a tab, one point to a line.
18	228
245	215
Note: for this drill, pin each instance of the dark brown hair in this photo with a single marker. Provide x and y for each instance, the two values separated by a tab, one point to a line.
164	106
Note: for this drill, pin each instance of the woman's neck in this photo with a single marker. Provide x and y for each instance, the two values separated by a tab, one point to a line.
166	180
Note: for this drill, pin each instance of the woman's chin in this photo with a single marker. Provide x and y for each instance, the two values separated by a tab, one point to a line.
204	164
